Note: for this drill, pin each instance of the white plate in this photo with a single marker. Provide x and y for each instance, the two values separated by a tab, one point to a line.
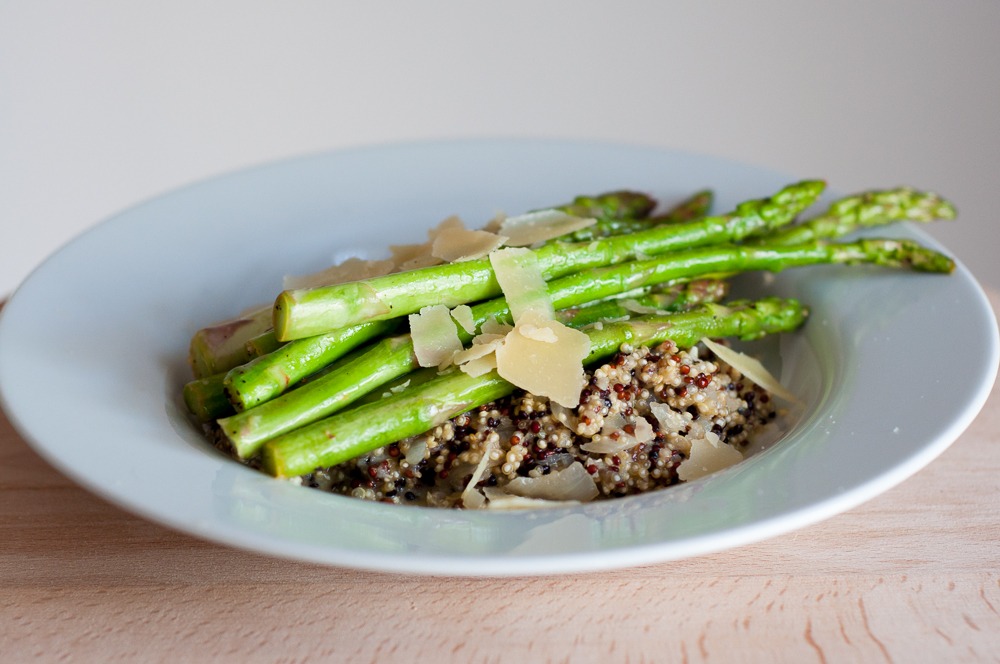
892	366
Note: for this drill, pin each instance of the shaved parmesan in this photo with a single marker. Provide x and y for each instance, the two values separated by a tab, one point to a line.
479	358
479	365
520	278
553	370
635	307
493	225
471	498
492	326
463	316
353	269
501	500
544	334
415	256
670	420
435	339
464	245
571	483
602	444
708	455
608	444
749	367
527	229
412	256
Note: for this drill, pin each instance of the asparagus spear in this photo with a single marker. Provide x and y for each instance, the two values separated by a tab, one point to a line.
222	346
413	411
302	313
865	210
269	375
395	357
583	287
379	364
696	206
610	205
206	399
266	378
691	208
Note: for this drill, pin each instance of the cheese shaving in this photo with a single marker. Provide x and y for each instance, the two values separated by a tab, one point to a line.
520	278
463	316
492	326
541	226
635	307
352	269
607	443
544	334
708	455
415	256
479	358
471	498
459	245
751	368
501	500
435	339
571	483
553	370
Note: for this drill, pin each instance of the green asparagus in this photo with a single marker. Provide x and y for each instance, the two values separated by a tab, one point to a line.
307	312
379	364
413	411
395	357
872	208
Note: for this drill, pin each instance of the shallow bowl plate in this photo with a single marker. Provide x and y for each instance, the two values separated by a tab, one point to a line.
890	368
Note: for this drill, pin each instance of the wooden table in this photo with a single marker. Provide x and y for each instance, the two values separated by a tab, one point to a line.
912	576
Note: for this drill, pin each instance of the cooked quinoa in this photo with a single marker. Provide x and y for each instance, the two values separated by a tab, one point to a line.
621	409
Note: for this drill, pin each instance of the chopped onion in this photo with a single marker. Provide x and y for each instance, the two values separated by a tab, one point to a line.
415	454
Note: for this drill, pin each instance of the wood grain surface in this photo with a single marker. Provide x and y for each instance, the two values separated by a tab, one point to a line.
911	576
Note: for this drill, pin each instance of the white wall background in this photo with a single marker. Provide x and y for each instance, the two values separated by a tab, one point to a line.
104	103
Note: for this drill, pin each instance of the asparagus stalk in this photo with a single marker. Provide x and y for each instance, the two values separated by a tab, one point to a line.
691	208
675	299
866	210
696	206
379	364
220	347
307	312
419	409
233	342
611	205
395	357
264	379
583	287
267	376
205	398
